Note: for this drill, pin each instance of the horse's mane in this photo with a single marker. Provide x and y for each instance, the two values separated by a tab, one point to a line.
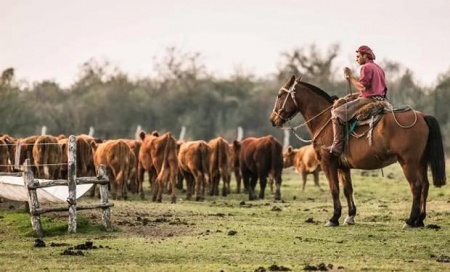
318	91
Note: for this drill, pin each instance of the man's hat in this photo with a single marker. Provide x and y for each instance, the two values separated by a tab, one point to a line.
364	49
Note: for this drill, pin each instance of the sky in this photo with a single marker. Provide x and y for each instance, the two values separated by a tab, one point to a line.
51	39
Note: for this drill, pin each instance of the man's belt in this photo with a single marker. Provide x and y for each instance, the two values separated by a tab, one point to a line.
378	97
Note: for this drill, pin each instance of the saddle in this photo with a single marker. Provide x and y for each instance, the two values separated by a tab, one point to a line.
369	114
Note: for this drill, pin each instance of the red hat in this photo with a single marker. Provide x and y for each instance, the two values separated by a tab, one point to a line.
364	49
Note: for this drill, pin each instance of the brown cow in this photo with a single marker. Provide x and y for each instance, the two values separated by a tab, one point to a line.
11	145
260	158
47	155
304	161
5	163
193	162
115	155
219	166
158	156
84	155
26	151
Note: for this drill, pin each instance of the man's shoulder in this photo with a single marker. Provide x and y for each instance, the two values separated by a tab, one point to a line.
371	66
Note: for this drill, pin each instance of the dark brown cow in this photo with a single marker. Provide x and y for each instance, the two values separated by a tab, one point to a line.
115	155
133	178
234	166
47	156
158	156
219	166
193	161
305	162
260	158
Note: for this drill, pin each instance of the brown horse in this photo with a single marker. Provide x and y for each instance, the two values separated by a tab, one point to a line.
414	147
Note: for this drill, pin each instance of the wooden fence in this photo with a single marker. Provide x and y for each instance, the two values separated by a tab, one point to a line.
72	181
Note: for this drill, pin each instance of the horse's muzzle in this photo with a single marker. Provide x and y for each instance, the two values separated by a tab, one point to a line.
276	120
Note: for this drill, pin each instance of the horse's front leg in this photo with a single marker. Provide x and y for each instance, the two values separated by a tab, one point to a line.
346	179
330	170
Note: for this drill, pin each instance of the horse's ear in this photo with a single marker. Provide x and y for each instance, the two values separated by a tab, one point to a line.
298	79
292	79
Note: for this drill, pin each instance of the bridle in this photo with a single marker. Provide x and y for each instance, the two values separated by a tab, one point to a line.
290	93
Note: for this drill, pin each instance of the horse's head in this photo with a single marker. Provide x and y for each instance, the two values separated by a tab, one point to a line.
285	105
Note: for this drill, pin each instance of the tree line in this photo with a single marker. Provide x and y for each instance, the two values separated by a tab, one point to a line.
184	93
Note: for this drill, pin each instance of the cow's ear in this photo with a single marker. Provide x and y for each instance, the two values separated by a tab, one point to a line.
94	145
142	135
155	133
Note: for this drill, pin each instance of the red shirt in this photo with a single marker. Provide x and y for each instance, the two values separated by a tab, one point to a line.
372	77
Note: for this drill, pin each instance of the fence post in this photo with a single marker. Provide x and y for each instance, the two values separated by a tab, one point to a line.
33	202
104	192
72	183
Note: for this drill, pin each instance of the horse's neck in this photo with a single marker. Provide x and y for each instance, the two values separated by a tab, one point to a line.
315	110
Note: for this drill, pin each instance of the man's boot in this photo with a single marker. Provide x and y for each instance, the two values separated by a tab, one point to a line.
338	141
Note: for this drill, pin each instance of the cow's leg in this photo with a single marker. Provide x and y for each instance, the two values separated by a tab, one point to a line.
140	181
304	178
262	185
278	180
252	186
226	183
173	183
189	185
238	176
316	179
199	183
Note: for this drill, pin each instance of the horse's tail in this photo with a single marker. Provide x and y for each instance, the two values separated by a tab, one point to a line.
435	151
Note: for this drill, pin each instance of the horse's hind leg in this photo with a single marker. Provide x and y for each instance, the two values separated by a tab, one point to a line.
424	194
346	179
411	171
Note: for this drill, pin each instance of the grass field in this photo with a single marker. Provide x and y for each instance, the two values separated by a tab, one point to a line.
234	234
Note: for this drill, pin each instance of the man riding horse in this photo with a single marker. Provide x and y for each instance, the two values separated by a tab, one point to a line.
371	85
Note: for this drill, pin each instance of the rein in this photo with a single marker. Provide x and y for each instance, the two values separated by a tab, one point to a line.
293	129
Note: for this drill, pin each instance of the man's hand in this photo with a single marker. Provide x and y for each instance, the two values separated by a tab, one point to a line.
347	72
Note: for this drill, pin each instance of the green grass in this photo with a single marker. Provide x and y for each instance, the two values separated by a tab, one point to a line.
195	236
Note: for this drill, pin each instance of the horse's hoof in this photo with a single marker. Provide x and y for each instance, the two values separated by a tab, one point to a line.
350	220
407	226
331	224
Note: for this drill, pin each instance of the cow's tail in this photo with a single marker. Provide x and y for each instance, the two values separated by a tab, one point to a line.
434	151
205	158
215	160
45	149
123	160
274	157
163	173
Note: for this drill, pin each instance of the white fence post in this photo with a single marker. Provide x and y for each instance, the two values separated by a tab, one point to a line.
72	183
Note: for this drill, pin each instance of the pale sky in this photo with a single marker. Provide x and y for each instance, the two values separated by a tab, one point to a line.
50	39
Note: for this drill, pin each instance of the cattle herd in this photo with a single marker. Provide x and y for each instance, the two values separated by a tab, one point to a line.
169	163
